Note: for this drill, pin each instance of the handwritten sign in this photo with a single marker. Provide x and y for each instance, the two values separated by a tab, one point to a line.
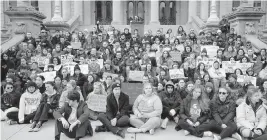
176	73
211	50
176	56
98	61
180	48
207	61
66	59
229	66
133	90
76	45
246	79
84	68
70	67
244	66
56	67
42	61
106	74
49	76
136	75
97	102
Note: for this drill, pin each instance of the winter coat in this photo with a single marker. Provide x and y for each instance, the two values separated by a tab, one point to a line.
170	100
9	100
251	118
53	100
223	112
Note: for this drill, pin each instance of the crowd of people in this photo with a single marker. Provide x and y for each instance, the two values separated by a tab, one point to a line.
206	101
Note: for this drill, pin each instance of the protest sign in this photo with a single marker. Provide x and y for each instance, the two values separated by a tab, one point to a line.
229	66
84	68
66	59
105	74
136	75
176	56
180	48
211	50
56	67
98	61
207	61
244	66
70	67
49	76
76	45
42	61
176	73
132	90
97	102
246	79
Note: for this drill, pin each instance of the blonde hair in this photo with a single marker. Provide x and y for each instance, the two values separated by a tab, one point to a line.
100	85
202	99
149	84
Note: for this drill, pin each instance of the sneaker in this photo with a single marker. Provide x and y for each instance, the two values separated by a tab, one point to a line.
216	137
237	136
207	134
37	128
32	127
176	119
10	122
186	132
151	131
90	129
133	130
121	133
100	129
164	123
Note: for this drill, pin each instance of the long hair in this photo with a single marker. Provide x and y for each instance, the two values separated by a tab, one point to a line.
203	99
101	87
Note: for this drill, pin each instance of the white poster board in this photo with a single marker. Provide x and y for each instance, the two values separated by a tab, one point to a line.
97	102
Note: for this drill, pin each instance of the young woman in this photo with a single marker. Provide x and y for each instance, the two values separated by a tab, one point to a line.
251	116
209	90
58	84
71	86
6	64
147	109
263	72
48	104
240	54
194	112
88	86
229	52
39	80
223	113
200	71
98	90
165	58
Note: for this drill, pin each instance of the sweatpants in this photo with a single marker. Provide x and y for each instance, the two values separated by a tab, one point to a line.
214	127
145	124
121	122
14	117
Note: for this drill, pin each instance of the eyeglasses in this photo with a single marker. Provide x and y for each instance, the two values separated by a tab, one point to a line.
223	93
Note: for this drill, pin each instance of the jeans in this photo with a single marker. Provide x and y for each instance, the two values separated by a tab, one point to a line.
217	83
214	127
145	124
182	124
121	122
42	112
14	117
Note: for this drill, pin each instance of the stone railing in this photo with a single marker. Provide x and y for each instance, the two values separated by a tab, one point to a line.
73	23
197	23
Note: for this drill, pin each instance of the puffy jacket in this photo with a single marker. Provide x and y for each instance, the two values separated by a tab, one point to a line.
170	100
247	117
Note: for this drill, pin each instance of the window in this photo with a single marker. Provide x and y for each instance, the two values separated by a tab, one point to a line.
104	12
135	11
236	3
257	4
35	5
167	13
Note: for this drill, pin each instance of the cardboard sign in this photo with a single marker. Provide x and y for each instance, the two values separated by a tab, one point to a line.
97	102
76	45
70	67
98	61
66	59
133	90
56	67
211	50
49	76
207	61
180	47
42	61
105	74
229	66
246	79
176	56
176	73
136	75
244	66
84	68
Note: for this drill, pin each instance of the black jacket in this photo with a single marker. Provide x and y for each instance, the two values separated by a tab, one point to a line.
115	111
9	100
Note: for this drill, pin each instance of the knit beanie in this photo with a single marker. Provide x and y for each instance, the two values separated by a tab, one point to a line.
209	84
31	84
115	85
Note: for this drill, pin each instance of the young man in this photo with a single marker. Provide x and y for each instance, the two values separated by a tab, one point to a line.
117	112
74	123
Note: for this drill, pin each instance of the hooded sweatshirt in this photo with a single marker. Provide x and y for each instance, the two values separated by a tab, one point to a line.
170	100
29	103
216	73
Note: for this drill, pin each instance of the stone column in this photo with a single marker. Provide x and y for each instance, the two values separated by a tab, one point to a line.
66	10
204	13
154	14
78	9
192	9
117	13
213	13
57	12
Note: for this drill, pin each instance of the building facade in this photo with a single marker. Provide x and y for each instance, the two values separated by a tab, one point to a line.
148	12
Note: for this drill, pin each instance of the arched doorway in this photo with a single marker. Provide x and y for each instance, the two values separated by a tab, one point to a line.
135	11
167	12
103	12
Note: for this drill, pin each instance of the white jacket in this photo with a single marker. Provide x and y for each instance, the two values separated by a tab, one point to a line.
246	117
217	74
28	103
